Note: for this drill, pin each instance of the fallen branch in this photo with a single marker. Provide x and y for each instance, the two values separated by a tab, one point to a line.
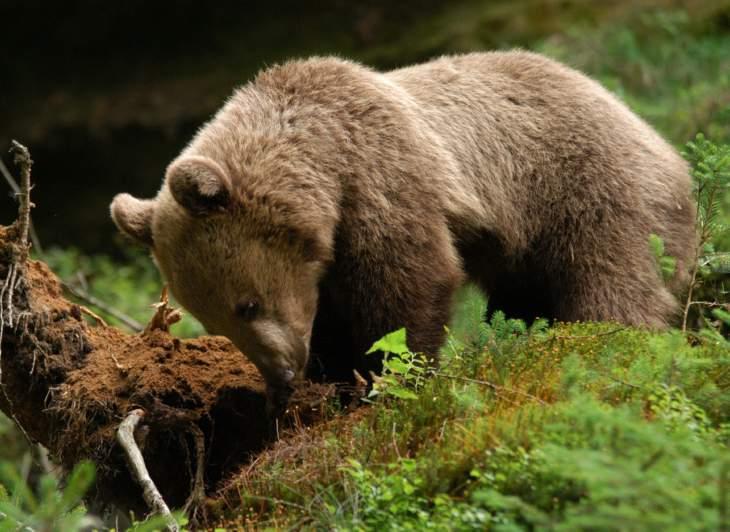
138	468
94	301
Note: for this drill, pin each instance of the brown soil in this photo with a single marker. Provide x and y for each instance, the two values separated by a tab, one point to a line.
69	384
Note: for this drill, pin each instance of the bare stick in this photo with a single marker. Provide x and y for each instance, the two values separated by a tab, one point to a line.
83	295
152	496
93	315
16	190
713	304
24	162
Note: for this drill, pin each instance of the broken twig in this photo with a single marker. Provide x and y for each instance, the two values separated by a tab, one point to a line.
16	190
152	496
93	315
164	316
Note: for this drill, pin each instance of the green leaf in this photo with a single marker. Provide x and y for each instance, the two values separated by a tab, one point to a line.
396	365
401	393
394	342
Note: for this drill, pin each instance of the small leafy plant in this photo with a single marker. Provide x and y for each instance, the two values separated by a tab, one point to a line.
403	372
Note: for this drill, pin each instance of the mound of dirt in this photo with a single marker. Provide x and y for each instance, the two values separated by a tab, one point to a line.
69	383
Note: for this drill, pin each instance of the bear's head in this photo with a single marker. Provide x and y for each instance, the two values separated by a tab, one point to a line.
241	263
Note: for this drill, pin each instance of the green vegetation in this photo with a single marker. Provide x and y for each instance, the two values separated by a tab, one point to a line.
578	426
569	427
51	508
671	67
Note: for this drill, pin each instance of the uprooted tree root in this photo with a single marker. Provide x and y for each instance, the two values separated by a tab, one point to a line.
69	384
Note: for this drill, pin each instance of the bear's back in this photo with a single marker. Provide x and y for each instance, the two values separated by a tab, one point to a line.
510	143
529	135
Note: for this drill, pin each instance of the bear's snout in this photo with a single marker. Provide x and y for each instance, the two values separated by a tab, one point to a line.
277	350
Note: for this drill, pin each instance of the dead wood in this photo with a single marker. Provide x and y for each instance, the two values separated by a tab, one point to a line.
152	496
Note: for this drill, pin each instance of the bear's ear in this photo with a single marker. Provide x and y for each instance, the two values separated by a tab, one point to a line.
199	184
133	217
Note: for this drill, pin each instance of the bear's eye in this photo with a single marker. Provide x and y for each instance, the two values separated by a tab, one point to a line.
247	309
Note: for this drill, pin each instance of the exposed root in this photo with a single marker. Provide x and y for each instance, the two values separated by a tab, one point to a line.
138	468
18	256
6	313
196	499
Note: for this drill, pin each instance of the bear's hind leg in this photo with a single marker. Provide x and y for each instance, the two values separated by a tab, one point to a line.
635	295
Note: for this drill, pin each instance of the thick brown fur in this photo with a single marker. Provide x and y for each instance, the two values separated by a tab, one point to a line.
354	203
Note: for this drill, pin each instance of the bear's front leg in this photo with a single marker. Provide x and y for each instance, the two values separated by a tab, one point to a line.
410	283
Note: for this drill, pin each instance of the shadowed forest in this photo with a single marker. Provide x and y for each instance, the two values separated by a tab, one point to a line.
580	426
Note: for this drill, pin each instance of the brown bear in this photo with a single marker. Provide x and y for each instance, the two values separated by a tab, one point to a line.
327	204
